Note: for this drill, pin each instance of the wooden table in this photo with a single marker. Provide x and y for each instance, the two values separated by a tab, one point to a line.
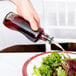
38	48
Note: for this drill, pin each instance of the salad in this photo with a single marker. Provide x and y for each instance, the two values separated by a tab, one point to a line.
56	65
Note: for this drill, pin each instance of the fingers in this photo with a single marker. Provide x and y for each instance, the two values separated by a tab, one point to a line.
33	24
33	20
36	17
28	13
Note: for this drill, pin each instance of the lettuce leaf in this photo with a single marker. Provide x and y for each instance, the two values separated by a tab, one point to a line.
61	72
42	71
36	71
52	60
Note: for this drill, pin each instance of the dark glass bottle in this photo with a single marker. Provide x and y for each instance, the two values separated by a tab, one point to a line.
15	22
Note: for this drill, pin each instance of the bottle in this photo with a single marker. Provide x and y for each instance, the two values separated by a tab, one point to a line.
17	23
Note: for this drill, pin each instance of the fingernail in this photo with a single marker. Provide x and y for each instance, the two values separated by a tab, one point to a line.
35	28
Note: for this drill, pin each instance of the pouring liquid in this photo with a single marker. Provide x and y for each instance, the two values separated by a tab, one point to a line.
58	45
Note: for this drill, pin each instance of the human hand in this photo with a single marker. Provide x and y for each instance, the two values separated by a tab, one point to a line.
26	10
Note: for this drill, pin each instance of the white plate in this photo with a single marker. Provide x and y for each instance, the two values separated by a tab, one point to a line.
36	60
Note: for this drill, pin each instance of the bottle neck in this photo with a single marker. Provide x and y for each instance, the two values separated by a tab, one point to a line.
46	38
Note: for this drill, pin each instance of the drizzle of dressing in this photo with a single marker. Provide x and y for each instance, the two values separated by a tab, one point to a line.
58	45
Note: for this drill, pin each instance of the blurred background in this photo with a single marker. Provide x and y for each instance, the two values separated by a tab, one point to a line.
58	18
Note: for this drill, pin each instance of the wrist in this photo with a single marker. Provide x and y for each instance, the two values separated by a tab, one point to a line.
19	2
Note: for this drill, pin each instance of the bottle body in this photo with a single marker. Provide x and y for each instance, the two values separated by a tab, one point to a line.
17	23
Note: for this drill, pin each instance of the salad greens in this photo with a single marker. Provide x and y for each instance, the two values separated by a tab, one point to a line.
49	64
42	71
61	72
36	71
52	60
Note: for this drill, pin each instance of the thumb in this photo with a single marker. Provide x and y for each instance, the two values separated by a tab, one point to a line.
33	24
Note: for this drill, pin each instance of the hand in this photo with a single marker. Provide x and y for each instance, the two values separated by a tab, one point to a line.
26	10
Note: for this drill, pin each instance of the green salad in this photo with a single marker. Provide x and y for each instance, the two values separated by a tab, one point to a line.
55	65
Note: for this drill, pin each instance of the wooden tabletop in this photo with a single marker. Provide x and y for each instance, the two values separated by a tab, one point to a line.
38	48
25	48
